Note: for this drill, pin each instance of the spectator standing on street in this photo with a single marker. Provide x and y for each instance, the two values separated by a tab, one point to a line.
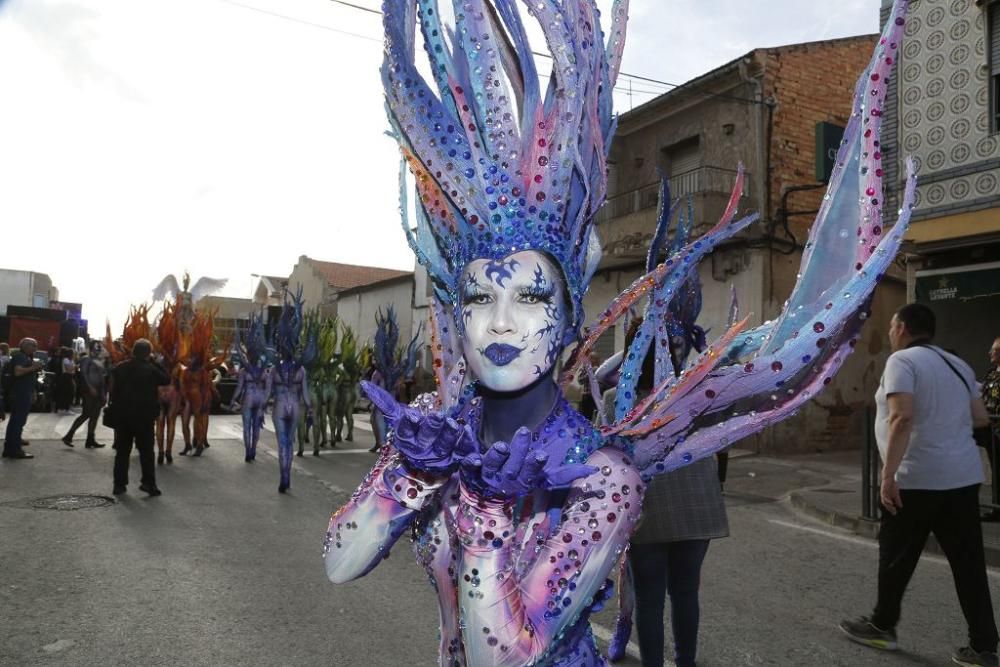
21	371
65	385
682	512
926	405
93	377
135	404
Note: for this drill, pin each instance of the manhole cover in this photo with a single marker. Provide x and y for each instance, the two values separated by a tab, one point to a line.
71	502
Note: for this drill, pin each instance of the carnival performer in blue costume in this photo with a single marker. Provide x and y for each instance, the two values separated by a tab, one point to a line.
253	384
519	508
290	382
392	364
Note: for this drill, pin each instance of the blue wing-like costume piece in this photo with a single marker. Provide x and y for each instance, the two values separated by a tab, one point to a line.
747	380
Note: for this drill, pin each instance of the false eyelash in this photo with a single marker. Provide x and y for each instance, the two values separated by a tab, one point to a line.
470	294
542	294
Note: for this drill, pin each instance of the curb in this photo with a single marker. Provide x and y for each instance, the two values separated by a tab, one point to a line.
855	524
869	529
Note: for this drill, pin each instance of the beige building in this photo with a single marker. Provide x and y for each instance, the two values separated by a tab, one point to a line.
230	314
356	307
26	288
321	282
269	291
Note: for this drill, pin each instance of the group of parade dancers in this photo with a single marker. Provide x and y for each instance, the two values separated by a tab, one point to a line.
308	365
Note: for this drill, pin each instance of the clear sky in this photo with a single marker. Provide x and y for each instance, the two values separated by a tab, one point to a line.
227	137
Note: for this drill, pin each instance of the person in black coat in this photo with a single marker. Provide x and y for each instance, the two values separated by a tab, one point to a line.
135	406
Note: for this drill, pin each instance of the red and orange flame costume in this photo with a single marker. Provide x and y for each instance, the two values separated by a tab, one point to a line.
195	380
168	339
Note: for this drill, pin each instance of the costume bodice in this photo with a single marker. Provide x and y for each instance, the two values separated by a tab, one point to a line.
516	580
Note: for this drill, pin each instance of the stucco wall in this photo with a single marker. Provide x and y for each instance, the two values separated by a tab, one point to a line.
357	309
15	289
315	289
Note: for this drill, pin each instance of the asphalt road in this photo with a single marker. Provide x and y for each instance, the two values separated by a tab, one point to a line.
222	570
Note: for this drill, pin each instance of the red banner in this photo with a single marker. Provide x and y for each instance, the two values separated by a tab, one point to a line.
45	332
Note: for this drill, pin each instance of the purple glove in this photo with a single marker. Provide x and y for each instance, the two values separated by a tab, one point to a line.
430	443
516	469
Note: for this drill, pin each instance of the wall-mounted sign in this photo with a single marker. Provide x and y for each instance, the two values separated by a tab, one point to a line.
828	138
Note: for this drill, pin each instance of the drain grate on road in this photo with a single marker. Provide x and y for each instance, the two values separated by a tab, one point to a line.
71	502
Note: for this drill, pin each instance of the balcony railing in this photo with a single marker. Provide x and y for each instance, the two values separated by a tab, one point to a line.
703	180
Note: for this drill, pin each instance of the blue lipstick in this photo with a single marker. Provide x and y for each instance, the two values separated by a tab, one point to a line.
500	354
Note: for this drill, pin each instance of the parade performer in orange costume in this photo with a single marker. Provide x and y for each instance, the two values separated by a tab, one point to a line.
169	344
195	382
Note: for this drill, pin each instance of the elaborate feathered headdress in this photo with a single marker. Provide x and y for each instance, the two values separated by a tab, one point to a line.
393	362
295	346
251	350
136	326
500	166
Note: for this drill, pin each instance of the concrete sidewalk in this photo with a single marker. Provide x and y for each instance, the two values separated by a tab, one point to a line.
827	487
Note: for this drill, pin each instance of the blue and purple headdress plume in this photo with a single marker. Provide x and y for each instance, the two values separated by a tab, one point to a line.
293	349
393	362
250	349
386	342
747	380
500	166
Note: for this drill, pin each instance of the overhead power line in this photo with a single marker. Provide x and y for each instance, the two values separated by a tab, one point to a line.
628	91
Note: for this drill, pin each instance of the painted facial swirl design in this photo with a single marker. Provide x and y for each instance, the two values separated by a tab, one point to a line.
514	313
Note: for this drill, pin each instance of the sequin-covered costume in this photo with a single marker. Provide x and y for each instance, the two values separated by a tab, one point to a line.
520	536
289	382
253	383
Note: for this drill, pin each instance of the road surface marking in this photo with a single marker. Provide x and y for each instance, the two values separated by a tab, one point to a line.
862	541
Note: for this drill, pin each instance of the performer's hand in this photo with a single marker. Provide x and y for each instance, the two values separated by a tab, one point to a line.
515	469
431	443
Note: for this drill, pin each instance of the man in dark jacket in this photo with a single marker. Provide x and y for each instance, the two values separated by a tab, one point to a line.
135	407
23	373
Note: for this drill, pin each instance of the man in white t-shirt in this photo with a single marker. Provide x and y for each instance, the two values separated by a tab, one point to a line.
926	405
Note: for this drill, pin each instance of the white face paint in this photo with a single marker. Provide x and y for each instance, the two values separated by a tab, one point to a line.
515	315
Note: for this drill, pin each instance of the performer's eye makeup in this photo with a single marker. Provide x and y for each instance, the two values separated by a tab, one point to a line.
474	296
533	295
